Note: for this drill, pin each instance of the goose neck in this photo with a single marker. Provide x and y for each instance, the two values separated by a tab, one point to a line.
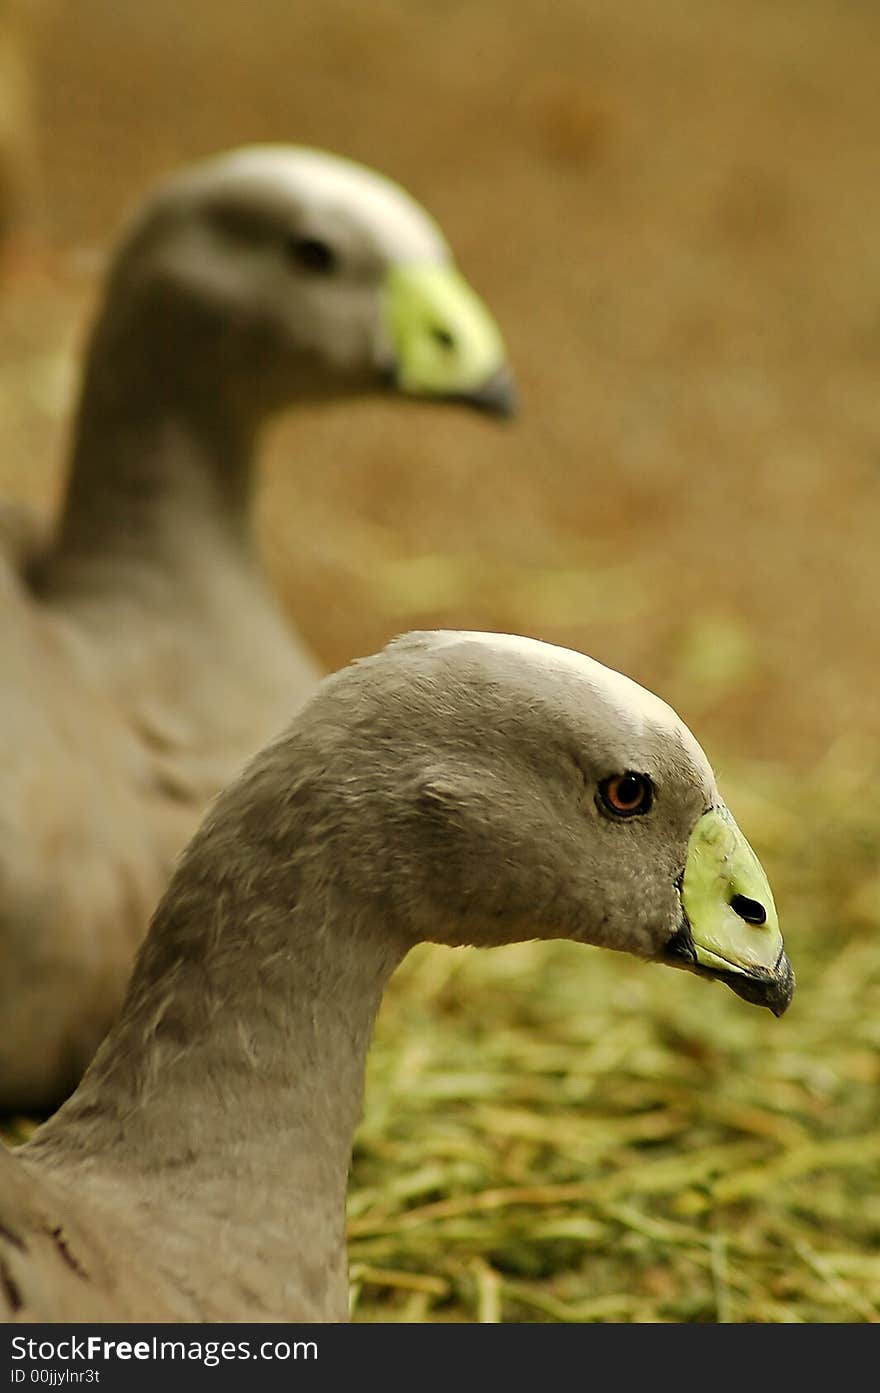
161	463
231	1087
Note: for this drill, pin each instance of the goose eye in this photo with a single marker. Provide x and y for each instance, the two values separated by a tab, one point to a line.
312	255
627	795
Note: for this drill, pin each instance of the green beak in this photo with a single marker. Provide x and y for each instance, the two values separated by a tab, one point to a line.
731	929
444	340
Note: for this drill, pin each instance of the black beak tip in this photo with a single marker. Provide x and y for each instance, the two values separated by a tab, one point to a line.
771	989
775	990
785	982
497	397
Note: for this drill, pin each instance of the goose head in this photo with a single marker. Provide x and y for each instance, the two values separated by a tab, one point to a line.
496	788
279	271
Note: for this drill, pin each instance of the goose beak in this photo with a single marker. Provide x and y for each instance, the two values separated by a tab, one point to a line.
444	342
497	396
729	928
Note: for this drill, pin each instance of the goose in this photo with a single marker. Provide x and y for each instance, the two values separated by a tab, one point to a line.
457	788
145	657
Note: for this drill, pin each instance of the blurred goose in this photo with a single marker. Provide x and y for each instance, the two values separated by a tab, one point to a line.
144	655
458	788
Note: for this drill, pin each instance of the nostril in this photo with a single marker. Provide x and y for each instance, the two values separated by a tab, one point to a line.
751	910
442	337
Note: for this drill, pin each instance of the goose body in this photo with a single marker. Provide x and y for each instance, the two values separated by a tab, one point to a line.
144	654
457	788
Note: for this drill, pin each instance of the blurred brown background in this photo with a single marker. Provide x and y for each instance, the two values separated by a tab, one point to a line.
675	213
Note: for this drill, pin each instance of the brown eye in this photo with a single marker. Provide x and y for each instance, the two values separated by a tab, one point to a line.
627	795
312	255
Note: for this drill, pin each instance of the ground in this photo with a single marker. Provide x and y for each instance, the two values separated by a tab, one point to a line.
675	213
